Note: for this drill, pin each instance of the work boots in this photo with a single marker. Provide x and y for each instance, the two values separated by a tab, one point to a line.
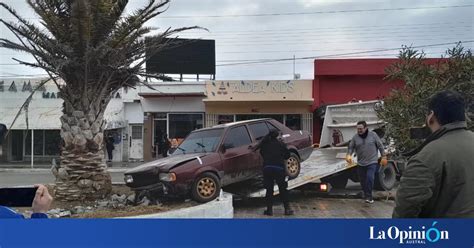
288	210
269	211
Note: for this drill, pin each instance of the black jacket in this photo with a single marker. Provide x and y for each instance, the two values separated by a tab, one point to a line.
274	152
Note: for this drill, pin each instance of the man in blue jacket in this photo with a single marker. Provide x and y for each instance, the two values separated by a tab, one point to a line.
40	206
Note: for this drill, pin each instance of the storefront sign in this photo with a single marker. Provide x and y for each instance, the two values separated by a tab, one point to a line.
261	87
258	90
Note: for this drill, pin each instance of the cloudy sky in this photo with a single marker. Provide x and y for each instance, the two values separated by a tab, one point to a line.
254	30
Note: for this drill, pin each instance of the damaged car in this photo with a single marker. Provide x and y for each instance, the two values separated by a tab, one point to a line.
211	158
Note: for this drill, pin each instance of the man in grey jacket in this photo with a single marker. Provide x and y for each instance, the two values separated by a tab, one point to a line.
366	144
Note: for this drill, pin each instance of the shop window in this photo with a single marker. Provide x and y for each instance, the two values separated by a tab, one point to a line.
258	130
160	115
38	143
180	125
237	137
137	132
293	122
46	142
223	119
52	141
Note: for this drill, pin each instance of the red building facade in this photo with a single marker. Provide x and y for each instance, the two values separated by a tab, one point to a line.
339	81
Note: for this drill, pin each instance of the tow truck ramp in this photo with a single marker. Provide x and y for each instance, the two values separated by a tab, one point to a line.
322	162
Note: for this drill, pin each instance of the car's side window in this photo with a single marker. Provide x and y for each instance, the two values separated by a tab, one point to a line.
238	136
258	130
271	126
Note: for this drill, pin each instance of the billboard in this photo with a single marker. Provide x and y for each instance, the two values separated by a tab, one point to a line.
182	56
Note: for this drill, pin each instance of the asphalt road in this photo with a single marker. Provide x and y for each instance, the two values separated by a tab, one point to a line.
20	177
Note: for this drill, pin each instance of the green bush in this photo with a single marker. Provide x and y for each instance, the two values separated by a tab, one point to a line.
407	107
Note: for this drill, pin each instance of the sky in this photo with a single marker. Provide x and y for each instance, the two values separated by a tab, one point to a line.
254	30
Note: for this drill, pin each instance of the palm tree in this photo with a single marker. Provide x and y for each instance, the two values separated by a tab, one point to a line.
96	49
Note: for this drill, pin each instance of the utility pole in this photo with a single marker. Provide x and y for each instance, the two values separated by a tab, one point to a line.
294	65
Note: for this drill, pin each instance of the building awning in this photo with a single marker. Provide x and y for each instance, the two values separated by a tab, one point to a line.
38	118
160	94
210	101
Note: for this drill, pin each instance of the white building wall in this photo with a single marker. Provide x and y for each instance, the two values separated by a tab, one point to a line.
173	104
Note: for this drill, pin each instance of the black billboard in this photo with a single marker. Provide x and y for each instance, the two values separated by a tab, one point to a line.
182	56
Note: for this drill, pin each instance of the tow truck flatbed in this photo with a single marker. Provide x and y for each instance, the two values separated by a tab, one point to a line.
322	162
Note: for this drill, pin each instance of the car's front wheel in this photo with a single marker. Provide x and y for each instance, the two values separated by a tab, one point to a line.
206	187
293	166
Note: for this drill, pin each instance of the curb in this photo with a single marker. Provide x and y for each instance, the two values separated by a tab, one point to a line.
220	208
28	170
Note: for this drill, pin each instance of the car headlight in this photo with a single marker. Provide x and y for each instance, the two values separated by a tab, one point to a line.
167	177
128	179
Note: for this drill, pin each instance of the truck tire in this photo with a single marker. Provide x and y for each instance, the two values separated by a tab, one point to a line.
385	177
293	166
338	181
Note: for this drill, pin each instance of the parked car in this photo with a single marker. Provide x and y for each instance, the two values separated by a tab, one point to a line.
211	158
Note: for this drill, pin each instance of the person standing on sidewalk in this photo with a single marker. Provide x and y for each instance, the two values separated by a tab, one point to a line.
366	144
274	153
438	181
109	146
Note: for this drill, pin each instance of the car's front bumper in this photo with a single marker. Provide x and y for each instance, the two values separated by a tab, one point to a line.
160	188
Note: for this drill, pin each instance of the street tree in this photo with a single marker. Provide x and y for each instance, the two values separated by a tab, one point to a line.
407	107
90	49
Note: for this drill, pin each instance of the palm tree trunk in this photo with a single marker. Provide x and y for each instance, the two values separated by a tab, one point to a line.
82	174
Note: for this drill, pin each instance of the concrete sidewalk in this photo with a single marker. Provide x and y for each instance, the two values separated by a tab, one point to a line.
47	166
43	170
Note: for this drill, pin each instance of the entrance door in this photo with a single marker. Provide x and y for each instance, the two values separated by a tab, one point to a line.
158	139
17	145
136	142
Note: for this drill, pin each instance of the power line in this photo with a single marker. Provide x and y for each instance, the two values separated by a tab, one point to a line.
334	33
315	12
342	54
334	30
344	38
318	42
437	24
301	13
374	55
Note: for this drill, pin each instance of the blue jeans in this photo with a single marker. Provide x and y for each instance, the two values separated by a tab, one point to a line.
367	175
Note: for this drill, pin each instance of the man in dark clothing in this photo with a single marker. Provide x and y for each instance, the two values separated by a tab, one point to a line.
439	178
274	153
109	145
166	146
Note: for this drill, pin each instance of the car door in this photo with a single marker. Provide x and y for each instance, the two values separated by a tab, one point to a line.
258	130
237	155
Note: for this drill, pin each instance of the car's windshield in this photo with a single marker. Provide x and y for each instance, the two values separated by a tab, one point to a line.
200	141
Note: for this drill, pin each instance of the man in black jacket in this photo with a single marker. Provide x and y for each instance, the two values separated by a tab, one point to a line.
274	153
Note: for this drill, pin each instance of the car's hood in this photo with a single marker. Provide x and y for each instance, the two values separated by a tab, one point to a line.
165	164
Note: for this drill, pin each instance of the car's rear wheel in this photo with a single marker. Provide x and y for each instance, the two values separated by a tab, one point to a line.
293	166
206	187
